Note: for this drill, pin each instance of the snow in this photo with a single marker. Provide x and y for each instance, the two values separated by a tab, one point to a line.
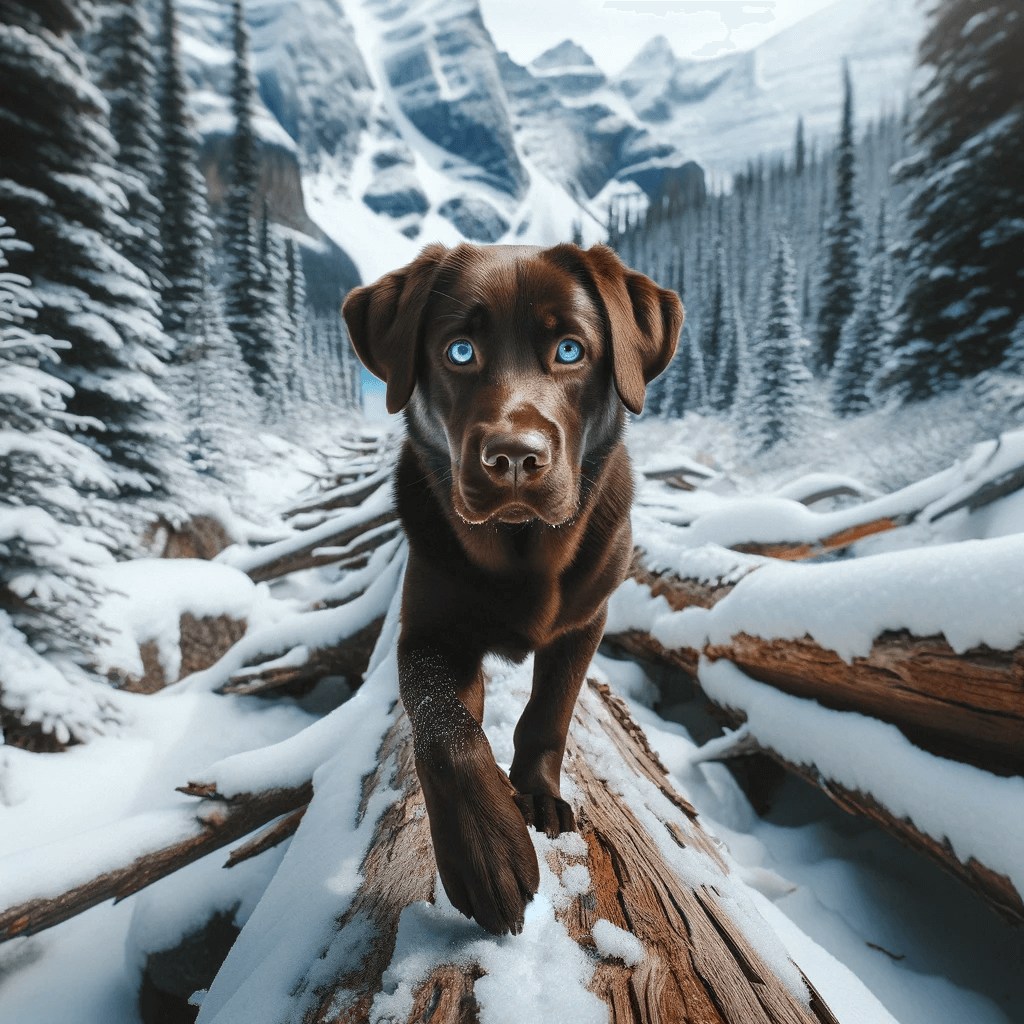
612	941
148	596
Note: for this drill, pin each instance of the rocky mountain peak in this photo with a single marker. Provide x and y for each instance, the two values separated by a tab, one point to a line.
566	54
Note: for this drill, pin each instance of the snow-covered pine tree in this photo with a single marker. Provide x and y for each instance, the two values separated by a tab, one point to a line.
46	548
732	350
126	71
864	345
712	317
212	388
963	293
295	323
271	314
686	386
839	282
799	148
244	302
60	189
185	228
775	399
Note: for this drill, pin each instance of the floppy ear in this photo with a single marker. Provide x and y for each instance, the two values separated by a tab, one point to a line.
383	322
644	321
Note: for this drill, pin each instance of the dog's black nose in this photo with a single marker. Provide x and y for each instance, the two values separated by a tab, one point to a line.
515	458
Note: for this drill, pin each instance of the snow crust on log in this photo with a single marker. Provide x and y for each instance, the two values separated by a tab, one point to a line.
980	814
971	592
810	484
148	596
312	630
292	928
43	872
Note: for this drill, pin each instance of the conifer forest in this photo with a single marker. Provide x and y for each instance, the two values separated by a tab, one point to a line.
797	765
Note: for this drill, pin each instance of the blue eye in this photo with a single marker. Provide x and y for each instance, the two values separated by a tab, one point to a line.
460	352
569	352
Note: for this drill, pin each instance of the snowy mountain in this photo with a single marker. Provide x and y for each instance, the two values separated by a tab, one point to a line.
732	108
383	127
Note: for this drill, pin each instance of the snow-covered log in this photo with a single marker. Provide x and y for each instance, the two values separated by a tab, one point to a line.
646	924
41	887
347	535
936	650
347	495
294	674
944	665
782	526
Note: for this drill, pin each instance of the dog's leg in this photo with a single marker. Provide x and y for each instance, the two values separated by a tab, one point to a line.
558	673
484	854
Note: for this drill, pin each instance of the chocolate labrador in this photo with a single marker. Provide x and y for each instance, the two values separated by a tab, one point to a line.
513	364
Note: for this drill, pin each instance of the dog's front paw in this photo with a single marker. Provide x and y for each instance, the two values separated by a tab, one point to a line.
484	853
546	813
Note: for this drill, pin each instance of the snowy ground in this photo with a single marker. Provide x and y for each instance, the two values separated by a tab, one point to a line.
924	947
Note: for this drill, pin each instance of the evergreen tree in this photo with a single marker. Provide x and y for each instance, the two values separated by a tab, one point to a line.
45	550
775	399
842	241
686	387
864	347
295	322
244	298
212	388
185	229
271	316
732	351
713	320
127	74
59	187
799	148
964	292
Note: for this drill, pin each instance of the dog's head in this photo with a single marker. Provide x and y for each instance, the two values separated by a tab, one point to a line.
515	362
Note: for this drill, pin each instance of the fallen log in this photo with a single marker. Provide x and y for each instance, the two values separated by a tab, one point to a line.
684	955
327	547
285	678
968	706
996	889
347	495
965	707
796	551
179	838
784	528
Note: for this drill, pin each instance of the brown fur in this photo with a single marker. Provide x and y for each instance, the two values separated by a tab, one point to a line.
514	488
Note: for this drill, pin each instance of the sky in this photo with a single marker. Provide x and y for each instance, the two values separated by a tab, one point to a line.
612	31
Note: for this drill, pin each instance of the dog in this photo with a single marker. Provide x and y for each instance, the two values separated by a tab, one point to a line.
514	365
